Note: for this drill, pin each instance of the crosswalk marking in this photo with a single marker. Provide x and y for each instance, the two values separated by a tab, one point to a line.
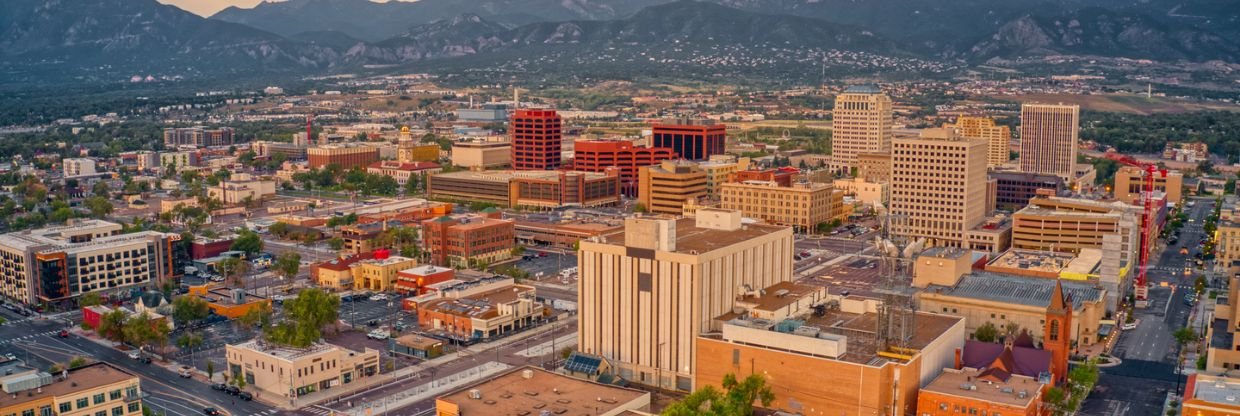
265	412
317	411
23	338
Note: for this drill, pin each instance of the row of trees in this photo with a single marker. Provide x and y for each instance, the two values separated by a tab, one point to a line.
139	330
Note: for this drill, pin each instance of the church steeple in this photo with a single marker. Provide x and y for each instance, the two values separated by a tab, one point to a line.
1057	333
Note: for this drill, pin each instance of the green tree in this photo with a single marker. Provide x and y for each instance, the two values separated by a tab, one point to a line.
112	326
90	299
287	264
189	308
233	269
249	242
737	398
256	317
189	340
336	243
210	370
986	333
305	316
99	206
1185	335
101	189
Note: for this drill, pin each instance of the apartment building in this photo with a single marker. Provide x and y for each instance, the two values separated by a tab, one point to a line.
861	123
1049	135
600	155
719	170
537	142
647	292
801	205
179	160
53	264
938	186
198	136
693	139
99	389
290	372
998	138
78	167
464	239
664	188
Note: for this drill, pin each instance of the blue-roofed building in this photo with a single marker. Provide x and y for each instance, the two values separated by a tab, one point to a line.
1003	300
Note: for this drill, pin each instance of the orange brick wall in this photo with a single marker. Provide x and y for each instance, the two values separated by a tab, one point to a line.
810	385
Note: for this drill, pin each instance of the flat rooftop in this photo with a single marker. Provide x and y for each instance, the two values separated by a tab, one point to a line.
778	296
514	394
1222	390
1021	290
693	240
503	176
285	352
965	383
861	331
480	305
84	378
1035	260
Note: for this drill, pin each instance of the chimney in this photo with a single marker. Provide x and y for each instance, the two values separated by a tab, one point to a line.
959	360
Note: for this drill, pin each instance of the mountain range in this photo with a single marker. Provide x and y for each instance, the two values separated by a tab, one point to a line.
96	39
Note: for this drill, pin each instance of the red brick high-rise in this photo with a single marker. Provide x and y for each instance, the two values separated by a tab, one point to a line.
536	140
691	139
598	155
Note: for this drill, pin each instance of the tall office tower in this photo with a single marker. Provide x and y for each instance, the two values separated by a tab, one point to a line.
649	291
664	188
938	186
536	140
997	137
691	138
1048	138
861	123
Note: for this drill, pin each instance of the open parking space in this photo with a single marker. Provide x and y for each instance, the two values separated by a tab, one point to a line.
544	264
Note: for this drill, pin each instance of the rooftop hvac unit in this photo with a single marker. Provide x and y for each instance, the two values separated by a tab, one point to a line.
475	394
527	374
238	296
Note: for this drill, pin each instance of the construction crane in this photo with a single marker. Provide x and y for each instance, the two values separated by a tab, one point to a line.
1148	173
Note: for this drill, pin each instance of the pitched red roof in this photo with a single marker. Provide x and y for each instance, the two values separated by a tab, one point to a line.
1014	360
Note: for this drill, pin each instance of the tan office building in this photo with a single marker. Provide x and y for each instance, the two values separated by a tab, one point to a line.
861	122
801	205
718	169
379	274
280	371
938	186
486	153
1129	184
998	138
92	390
874	167
646	293
664	188
1048	138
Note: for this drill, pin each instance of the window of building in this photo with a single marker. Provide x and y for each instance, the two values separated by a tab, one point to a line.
45	411
118	411
135	407
115	395
28	412
101	413
99	398
66	407
82	403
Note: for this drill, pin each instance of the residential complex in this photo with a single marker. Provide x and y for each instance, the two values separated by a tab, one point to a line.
532	189
1048	139
78	167
938	186
90	390
290	372
693	139
647	292
55	263
600	155
998	138
664	188
536	140
861	123
198	137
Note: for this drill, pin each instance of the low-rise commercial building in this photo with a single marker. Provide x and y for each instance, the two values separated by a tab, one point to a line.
801	205
404	171
1209	395
242	188
480	316
379	273
90	390
535	189
664	188
231	303
465	240
345	156
531	390
289	372
493	152
415	280
336	274
56	263
562	234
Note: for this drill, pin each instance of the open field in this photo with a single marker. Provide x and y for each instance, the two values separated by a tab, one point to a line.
1122	103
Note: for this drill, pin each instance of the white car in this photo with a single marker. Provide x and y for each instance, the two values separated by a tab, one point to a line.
1128	326
378	297
135	355
379	334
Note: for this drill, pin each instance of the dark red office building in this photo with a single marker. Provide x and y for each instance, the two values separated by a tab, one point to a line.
598	155
691	139
536	140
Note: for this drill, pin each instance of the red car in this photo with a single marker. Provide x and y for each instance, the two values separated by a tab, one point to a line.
64	333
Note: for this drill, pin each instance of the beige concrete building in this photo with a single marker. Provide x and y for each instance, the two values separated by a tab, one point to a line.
484	153
288	372
998	138
237	189
1223	349
861	122
664	188
874	167
1048	138
379	274
802	206
646	293
541	392
78	167
718	169
1072	224
938	186
952	288
99	389
1129	183
864	192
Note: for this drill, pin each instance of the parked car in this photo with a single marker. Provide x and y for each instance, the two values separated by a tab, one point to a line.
134	355
1128	326
184	372
378	297
144	360
233	390
219	386
378	334
245	395
211	411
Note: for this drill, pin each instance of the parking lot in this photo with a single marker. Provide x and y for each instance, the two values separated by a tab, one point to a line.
546	264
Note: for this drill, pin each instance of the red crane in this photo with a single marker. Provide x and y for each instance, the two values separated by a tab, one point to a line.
1148	172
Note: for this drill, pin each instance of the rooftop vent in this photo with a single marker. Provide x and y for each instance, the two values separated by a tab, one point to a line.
475	394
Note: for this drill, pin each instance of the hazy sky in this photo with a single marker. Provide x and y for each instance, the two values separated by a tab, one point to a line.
209	7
